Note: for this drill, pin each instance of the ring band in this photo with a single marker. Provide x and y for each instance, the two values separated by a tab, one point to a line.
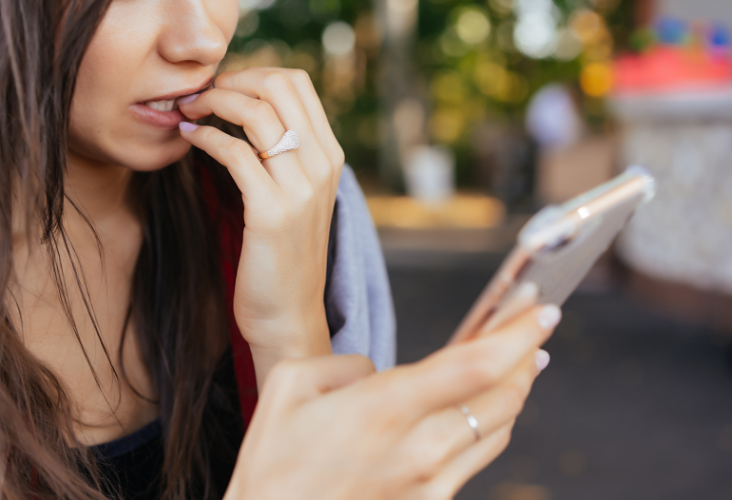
288	142
472	422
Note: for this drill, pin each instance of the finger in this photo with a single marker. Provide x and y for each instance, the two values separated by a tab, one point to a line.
460	372
449	432
447	482
237	156
311	101
275	86
295	381
309	97
259	120
261	125
494	408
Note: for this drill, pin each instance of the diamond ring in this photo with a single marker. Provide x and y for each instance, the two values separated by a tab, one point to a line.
288	142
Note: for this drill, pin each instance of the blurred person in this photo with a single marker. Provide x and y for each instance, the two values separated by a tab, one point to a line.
151	288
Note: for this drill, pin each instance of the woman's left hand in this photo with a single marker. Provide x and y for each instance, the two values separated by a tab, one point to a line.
288	206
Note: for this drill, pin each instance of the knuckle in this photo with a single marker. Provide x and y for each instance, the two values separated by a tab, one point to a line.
325	182
427	461
437	490
301	76
322	168
478	372
391	388
306	193
263	111
486	358
277	82
339	157
513	399
208	134
238	150
505	437
223	78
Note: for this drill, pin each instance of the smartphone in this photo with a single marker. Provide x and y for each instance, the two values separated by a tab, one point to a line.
556	249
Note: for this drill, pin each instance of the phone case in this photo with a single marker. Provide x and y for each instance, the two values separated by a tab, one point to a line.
556	249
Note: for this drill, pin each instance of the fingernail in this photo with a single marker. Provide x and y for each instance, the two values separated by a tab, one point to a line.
549	316
188	98
187	126
542	359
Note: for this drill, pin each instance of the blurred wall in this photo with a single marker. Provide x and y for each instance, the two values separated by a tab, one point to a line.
689	10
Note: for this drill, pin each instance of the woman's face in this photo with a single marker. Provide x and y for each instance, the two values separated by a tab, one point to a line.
145	54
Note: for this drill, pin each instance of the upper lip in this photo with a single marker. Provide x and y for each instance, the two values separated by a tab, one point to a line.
181	93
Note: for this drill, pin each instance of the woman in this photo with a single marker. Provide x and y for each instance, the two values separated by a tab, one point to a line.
118	243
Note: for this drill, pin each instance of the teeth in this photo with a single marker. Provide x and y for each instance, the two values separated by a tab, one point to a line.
169	105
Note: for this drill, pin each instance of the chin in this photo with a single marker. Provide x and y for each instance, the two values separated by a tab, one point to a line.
152	158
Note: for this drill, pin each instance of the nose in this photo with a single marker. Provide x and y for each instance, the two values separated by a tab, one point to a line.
193	33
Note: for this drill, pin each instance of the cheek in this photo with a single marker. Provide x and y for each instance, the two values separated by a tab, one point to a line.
103	82
101	128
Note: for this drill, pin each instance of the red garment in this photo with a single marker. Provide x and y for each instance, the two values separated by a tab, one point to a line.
230	246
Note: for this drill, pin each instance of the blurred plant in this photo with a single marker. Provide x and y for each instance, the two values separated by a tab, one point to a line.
479	60
483	61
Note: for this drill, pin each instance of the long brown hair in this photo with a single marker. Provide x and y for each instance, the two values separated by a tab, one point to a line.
177	303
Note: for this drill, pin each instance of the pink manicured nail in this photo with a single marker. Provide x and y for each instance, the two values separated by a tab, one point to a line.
550	316
542	359
187	99
187	126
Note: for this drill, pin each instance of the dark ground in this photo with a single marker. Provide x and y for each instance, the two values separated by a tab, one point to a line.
633	405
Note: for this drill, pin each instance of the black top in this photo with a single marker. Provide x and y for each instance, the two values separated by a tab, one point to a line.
134	463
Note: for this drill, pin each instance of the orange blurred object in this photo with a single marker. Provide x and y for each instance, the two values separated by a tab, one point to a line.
667	68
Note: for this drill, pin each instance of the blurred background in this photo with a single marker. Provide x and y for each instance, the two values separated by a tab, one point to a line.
461	119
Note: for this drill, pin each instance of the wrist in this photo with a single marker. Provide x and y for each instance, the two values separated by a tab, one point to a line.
296	336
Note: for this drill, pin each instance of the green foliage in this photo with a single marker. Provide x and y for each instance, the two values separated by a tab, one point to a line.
467	78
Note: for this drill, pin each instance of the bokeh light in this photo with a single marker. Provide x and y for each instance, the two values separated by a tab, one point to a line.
447	86
502	7
452	45
446	125
588	25
339	39
473	26
497	82
535	35
596	79
569	45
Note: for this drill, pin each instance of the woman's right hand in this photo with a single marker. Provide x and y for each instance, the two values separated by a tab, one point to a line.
331	428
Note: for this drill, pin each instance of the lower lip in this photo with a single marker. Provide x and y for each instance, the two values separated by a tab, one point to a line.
168	120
